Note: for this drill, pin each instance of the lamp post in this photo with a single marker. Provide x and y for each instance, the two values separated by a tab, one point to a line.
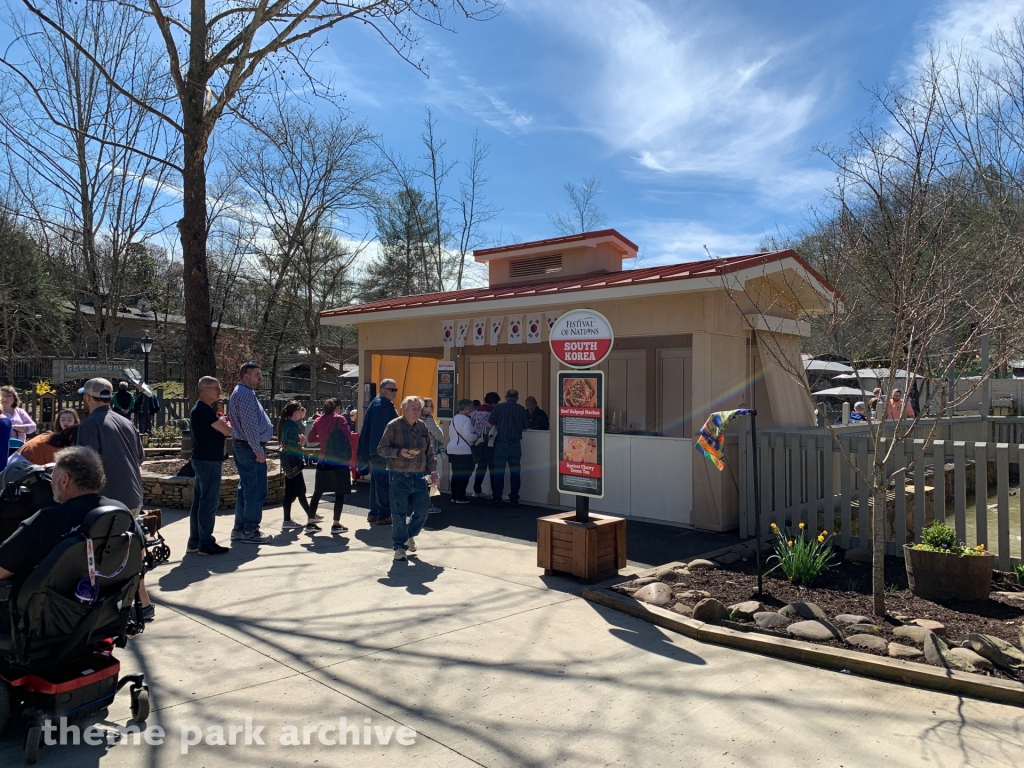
146	344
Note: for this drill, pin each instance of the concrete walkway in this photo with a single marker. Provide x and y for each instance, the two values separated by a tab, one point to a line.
490	664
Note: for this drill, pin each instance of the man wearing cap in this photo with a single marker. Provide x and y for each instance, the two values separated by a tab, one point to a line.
251	430
117	442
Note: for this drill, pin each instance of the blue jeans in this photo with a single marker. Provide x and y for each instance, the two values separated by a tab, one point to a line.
511	454
380	491
205	500
252	489
407	491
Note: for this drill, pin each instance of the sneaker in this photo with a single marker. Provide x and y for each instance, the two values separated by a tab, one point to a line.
191	550
410	545
290	525
462	501
474	494
384	521
256	538
236	535
317	518
399	554
312	528
338	528
213	549
433	511
148	613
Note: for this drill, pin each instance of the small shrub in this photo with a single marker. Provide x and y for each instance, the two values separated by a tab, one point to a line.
939	537
1018	573
165	437
801	560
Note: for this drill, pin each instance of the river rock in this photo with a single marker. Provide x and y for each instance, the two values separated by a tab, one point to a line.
858	556
655	594
851	618
683	609
863	629
938	654
770	620
1020	638
1015	599
666	574
935	626
700	564
870	642
746	609
643	581
970	657
898	651
818	630
913	633
693	594
728	558
998	651
710	610
804	610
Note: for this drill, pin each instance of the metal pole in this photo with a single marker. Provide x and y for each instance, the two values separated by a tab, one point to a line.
757	498
582	509
145	402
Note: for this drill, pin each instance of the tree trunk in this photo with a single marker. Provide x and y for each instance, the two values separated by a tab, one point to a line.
199	351
878	518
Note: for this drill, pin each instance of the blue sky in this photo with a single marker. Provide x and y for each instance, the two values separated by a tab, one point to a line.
698	117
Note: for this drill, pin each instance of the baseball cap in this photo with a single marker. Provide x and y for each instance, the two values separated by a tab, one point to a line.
101	389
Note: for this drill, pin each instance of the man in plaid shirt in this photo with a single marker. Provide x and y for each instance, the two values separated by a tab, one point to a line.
409	451
251	430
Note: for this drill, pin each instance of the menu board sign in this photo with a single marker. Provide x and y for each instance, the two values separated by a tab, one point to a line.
581	338
581	433
445	407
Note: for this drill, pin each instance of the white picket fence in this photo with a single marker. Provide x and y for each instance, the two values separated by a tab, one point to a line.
967	478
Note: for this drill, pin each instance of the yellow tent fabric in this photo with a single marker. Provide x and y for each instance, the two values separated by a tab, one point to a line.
414	375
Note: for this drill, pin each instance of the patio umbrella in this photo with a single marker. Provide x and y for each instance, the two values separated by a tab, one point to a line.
843	392
826	366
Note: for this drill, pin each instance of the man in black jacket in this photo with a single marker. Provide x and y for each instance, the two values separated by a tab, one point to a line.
378	414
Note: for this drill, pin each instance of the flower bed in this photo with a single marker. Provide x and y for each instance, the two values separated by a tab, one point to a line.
836	610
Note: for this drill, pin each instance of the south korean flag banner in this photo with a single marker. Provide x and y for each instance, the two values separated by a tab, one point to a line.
479	331
496	323
533	329
448	333
515	329
463	332
551	317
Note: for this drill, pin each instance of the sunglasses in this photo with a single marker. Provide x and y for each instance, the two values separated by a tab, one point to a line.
389	389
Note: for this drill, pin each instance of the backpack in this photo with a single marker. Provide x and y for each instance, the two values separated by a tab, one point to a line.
339	449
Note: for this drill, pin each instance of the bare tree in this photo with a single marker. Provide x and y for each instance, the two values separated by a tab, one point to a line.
221	61
472	207
583	214
915	245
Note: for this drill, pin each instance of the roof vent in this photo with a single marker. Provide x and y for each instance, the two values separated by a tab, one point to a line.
540	265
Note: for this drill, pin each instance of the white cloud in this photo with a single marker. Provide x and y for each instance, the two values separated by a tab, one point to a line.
970	24
676	241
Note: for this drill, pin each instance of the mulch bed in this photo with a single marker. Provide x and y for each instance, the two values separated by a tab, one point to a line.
176	468
846	589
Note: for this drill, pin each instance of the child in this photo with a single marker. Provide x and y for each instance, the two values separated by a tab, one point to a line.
292	461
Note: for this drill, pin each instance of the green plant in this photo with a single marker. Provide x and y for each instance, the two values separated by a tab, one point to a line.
890	589
165	437
801	560
939	537
1018	573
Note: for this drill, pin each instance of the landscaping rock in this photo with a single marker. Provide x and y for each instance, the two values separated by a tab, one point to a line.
1014	598
864	629
804	610
1020	638
998	651
728	558
870	642
655	594
913	633
700	564
898	651
666	574
858	556
851	618
710	610
938	654
770	620
744	551
643	581
683	609
935	626
745	610
693	594
968	656
818	630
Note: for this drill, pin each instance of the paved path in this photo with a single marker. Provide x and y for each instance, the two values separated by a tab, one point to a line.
490	664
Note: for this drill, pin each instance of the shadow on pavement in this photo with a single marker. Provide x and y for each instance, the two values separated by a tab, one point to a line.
412	574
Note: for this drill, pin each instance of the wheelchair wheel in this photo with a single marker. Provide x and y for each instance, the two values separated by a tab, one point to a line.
140	704
32	738
5	705
162	553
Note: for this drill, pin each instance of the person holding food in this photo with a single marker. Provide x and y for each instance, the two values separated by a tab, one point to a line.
408	448
509	419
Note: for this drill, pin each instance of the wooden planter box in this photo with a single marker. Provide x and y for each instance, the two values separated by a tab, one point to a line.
941	576
590	551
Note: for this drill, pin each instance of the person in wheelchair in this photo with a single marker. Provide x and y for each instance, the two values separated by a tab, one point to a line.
76	480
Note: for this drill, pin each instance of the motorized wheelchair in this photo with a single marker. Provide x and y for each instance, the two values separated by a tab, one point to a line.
59	627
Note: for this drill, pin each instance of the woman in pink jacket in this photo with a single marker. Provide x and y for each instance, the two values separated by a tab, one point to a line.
331	431
21	423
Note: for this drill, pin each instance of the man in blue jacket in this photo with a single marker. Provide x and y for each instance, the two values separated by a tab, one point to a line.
380	411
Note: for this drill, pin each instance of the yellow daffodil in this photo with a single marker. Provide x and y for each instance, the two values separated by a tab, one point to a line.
791	542
980	547
802	526
821	538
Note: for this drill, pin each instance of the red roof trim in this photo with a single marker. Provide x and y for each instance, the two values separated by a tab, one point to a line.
594	281
555	241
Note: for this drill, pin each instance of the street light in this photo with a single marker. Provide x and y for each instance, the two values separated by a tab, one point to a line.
146	344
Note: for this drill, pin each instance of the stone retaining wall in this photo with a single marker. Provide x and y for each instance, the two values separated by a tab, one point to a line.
176	492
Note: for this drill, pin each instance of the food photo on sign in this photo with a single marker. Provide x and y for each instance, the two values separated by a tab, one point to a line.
579	392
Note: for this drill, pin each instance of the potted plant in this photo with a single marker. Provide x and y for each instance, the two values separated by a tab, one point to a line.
939	568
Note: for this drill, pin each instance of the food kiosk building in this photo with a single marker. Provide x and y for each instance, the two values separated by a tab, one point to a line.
684	347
